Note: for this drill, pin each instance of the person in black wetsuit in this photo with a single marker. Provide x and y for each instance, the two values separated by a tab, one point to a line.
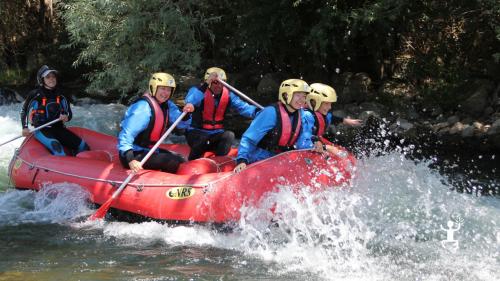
44	104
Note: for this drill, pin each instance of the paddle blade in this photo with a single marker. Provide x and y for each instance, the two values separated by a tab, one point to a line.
101	212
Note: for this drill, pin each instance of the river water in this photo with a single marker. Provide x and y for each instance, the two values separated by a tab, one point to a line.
398	221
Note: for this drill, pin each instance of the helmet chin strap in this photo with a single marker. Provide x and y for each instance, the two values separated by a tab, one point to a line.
290	108
47	87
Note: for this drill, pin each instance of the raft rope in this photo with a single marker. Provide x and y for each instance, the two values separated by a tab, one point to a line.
114	183
140	186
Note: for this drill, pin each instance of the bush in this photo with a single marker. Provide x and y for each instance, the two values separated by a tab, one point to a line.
127	41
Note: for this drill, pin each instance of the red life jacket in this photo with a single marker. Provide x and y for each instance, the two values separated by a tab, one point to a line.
287	139
320	126
213	118
285	134
157	123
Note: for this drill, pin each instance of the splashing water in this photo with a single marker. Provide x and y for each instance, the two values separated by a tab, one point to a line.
54	203
388	225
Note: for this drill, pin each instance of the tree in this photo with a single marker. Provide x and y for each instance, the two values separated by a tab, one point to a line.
126	41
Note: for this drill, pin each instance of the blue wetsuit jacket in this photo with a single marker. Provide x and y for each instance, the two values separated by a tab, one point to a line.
308	121
264	123
137	119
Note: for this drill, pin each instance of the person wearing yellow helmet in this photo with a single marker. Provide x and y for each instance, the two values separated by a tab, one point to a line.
276	128
317	117
144	123
45	104
210	102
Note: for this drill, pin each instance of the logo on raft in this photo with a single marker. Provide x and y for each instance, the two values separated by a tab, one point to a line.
178	193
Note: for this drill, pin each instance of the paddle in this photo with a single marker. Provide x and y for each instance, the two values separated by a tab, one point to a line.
241	94
101	212
34	130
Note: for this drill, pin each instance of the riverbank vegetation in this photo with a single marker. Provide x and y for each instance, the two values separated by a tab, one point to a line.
435	46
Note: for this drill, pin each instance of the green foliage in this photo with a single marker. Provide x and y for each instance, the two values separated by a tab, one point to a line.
432	45
13	77
29	34
126	41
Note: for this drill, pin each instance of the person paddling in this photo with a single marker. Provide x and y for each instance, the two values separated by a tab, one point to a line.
316	118
276	128
144	123
210	103
47	103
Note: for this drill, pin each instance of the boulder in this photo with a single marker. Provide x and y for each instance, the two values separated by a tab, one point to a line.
478	97
439	126
468	131
367	114
452	119
269	84
339	113
495	128
401	125
8	96
456	128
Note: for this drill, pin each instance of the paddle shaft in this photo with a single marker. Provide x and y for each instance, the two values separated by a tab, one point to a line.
151	151
240	94
104	208
34	130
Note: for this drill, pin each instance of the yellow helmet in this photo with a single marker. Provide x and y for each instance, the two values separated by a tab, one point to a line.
320	93
161	79
291	86
220	72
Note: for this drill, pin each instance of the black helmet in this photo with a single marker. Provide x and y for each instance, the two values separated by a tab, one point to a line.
42	72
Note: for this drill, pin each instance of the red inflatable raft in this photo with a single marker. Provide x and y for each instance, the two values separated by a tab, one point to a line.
204	190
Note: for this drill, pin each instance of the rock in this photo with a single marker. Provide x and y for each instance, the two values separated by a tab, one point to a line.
439	126
478	98
488	111
8	96
269	84
456	128
495	128
452	120
339	113
444	131
402	125
367	114
353	109
440	118
468	131
467	120
479	129
412	113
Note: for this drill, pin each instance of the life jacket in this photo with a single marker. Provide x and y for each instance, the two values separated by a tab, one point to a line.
157	123
320	125
44	109
211	117
285	134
